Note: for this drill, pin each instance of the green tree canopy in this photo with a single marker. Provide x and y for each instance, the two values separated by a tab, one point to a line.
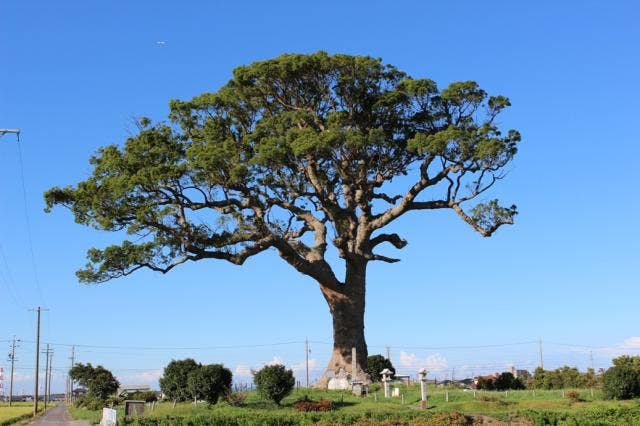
174	381
99	382
274	382
295	154
209	382
377	363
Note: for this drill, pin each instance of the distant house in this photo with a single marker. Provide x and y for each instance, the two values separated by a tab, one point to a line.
126	390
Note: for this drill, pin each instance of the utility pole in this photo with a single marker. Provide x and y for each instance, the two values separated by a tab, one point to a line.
69	379
541	360
306	358
12	358
389	353
591	358
46	375
49	380
38	310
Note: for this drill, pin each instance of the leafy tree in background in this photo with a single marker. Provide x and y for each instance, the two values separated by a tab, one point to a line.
621	381
485	383
377	363
627	360
173	382
297	154
564	377
99	382
507	381
209	382
274	382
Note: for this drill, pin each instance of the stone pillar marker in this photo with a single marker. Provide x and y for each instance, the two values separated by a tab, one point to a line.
354	365
422	376
386	378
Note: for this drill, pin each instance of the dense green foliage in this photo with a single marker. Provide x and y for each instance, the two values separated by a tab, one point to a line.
629	361
507	381
563	378
621	381
274	382
209	382
377	363
545	407
308	135
485	383
99	382
173	382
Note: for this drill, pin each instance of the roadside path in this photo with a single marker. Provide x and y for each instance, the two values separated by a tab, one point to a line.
57	416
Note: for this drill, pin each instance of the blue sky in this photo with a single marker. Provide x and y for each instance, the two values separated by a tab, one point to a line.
74	75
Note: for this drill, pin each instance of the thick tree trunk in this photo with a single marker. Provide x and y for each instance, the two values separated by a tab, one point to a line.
347	310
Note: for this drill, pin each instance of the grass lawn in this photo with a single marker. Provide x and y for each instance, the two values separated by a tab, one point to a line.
348	408
18	411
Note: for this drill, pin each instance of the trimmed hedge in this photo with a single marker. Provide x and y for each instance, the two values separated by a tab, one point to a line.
310	418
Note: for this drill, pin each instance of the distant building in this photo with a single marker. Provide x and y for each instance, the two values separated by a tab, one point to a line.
126	390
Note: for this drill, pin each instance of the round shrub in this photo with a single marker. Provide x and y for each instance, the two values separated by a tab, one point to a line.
209	382
173	383
377	363
274	382
621	382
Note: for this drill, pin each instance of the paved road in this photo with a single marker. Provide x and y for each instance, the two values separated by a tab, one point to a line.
57	416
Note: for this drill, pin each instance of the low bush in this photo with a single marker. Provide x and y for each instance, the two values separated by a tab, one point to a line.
573	396
306	405
236	399
442	419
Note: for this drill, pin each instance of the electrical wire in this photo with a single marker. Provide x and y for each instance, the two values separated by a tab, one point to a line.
28	222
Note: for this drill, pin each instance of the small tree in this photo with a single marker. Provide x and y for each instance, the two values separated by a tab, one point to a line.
99	382
621	382
377	363
485	383
209	382
506	381
274	382
173	383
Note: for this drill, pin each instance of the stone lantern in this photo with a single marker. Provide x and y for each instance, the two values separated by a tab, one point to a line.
422	376
386	378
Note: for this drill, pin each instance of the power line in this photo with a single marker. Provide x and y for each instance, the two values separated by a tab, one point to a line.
163	348
28	222
8	280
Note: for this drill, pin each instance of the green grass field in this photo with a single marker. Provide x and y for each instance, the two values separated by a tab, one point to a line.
539	407
18	411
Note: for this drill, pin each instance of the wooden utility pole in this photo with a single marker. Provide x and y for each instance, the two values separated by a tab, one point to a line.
12	358
38	310
69	379
49	378
46	375
306	358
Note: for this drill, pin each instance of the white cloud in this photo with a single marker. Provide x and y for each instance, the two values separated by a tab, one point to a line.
630	346
301	367
242	370
275	361
149	377
433	362
632	343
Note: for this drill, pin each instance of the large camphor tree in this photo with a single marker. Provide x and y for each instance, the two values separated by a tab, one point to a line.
297	154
